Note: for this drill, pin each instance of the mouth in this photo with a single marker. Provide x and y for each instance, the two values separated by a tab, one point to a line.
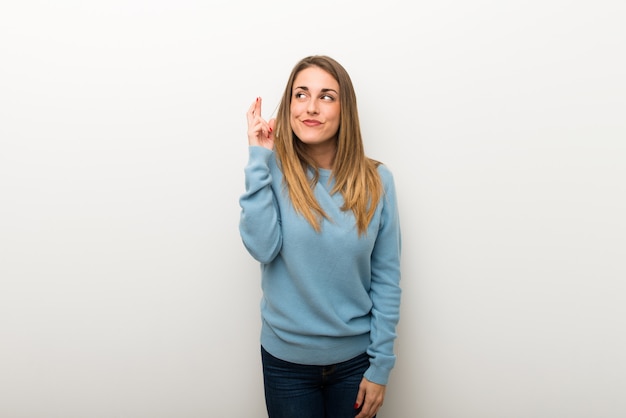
311	122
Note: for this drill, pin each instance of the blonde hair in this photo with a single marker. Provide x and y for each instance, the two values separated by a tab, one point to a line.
356	176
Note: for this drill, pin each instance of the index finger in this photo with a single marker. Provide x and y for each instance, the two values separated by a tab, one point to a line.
256	107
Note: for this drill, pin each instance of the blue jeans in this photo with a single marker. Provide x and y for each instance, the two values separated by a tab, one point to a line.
301	391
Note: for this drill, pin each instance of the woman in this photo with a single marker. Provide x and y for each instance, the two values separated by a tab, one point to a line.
322	220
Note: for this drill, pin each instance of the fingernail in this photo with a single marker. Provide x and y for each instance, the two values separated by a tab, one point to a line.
257	99
356	406
271	130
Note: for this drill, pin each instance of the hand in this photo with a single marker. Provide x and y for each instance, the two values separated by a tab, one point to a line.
260	132
370	398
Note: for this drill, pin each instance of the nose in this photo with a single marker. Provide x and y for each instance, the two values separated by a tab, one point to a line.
311	107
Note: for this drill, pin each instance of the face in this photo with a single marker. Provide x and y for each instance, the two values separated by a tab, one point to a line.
315	107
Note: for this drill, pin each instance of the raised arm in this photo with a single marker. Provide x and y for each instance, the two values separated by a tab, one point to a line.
259	223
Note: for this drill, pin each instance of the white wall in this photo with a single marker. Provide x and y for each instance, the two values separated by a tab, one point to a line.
125	290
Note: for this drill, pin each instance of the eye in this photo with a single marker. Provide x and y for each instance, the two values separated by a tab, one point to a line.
328	97
299	95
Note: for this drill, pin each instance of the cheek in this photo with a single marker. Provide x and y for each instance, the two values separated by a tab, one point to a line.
335	111
295	109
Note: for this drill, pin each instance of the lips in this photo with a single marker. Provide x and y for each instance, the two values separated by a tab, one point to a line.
311	122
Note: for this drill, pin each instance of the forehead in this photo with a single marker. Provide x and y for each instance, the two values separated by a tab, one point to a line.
314	78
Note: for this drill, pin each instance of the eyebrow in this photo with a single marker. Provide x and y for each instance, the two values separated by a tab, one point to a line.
323	90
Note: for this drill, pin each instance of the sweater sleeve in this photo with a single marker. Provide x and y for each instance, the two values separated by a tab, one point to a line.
385	286
259	223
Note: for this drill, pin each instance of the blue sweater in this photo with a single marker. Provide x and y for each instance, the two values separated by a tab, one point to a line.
328	296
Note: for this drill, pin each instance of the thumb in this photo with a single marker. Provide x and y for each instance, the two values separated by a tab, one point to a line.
360	397
272	125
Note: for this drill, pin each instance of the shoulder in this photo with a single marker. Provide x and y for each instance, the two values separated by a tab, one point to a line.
386	175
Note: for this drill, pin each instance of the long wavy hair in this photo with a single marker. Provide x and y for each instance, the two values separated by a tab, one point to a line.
356	176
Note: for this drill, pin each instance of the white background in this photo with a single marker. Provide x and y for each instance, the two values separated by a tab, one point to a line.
125	290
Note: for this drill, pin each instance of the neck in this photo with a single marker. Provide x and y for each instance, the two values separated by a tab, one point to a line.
323	154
